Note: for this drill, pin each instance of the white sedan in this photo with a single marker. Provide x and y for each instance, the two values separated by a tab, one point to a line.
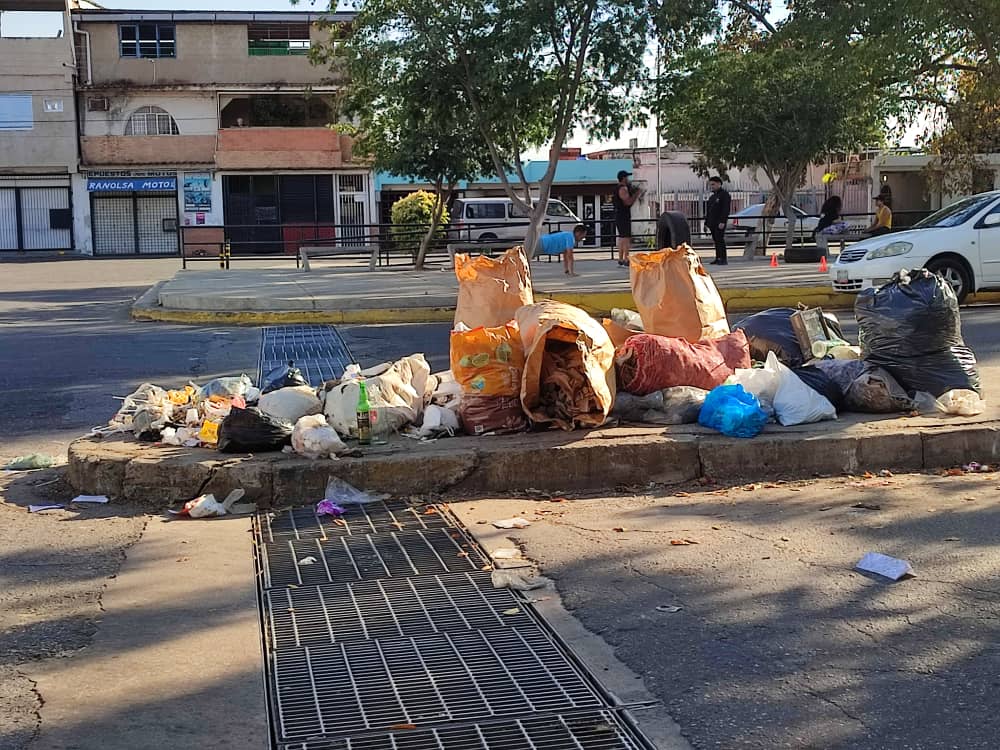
961	243
750	220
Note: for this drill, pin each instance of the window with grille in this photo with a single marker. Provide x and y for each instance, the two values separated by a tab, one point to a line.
278	39
147	40
151	121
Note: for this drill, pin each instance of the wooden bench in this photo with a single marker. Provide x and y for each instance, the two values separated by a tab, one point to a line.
334	251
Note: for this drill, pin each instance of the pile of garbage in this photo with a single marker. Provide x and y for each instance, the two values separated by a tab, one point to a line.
516	364
233	415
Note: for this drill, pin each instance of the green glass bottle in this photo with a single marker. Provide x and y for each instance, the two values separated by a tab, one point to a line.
364	416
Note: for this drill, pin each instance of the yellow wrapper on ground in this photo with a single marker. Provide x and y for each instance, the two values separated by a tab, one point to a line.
569	372
491	289
488	361
675	296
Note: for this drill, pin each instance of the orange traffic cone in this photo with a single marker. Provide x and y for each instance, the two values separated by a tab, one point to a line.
822	265
774	260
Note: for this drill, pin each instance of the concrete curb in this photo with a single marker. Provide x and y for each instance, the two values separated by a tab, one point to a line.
736	299
596	461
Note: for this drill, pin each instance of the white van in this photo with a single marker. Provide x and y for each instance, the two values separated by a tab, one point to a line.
490	219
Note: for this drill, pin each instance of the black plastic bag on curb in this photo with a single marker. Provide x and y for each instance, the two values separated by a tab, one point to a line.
246	430
283	377
822	383
911	327
771	331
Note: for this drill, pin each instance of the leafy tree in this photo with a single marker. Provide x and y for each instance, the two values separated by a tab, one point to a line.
412	215
407	111
504	76
768	96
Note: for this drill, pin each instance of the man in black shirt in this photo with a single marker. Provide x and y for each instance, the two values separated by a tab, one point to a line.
716	216
625	195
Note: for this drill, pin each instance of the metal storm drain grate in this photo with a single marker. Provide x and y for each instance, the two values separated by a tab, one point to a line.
319	351
383	684
585	730
369	556
372	518
388	608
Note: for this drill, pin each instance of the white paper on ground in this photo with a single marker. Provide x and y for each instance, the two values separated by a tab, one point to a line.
506	553
513	523
891	567
40	508
90	499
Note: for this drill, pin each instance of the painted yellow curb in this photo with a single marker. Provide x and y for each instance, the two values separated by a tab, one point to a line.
735	299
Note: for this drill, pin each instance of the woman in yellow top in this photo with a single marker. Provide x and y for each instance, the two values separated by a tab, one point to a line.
883	218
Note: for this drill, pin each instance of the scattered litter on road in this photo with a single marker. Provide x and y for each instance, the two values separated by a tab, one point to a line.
682	542
206	506
328	508
506	553
889	567
31	461
867	506
43	508
512	611
344	493
669	609
952	539
512	523
307	561
518	581
89	499
975	468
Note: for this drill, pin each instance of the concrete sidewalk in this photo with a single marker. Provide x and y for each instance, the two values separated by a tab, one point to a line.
341	293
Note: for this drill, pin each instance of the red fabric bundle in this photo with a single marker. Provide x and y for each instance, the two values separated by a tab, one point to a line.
648	363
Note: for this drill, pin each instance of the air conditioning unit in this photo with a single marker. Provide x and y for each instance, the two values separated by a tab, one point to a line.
98	104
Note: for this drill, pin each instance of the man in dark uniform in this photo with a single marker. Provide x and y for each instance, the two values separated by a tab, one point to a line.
625	195
716	216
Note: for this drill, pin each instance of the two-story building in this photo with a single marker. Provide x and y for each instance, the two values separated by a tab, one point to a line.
213	121
38	147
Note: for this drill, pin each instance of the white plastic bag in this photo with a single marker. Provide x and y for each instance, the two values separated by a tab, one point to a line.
438	420
314	438
344	493
761	382
961	402
290	404
797	403
397	391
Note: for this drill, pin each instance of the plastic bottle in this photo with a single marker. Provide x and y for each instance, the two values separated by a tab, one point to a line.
364	416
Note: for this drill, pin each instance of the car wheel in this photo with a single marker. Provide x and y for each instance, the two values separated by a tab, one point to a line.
488	237
954	274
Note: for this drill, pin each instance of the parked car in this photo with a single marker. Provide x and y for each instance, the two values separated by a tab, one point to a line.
750	220
491	219
961	243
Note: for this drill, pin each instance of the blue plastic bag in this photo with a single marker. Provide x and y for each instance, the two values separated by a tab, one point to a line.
733	412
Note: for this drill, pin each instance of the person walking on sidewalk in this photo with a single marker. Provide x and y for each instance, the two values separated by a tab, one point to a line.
625	195
716	217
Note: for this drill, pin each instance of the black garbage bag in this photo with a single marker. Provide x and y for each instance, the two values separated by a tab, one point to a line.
822	383
771	331
911	327
843	372
246	430
875	391
283	377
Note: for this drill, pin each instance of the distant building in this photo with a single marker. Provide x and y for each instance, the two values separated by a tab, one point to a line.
38	145
214	121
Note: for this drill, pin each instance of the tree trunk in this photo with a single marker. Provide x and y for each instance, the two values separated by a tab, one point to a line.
425	243
791	226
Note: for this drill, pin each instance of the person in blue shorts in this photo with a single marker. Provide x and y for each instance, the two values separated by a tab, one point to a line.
563	242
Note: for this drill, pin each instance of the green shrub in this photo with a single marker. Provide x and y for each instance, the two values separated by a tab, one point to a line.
411	218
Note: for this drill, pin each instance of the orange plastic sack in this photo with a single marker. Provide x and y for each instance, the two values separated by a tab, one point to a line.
491	289
675	295
569	371
488	361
